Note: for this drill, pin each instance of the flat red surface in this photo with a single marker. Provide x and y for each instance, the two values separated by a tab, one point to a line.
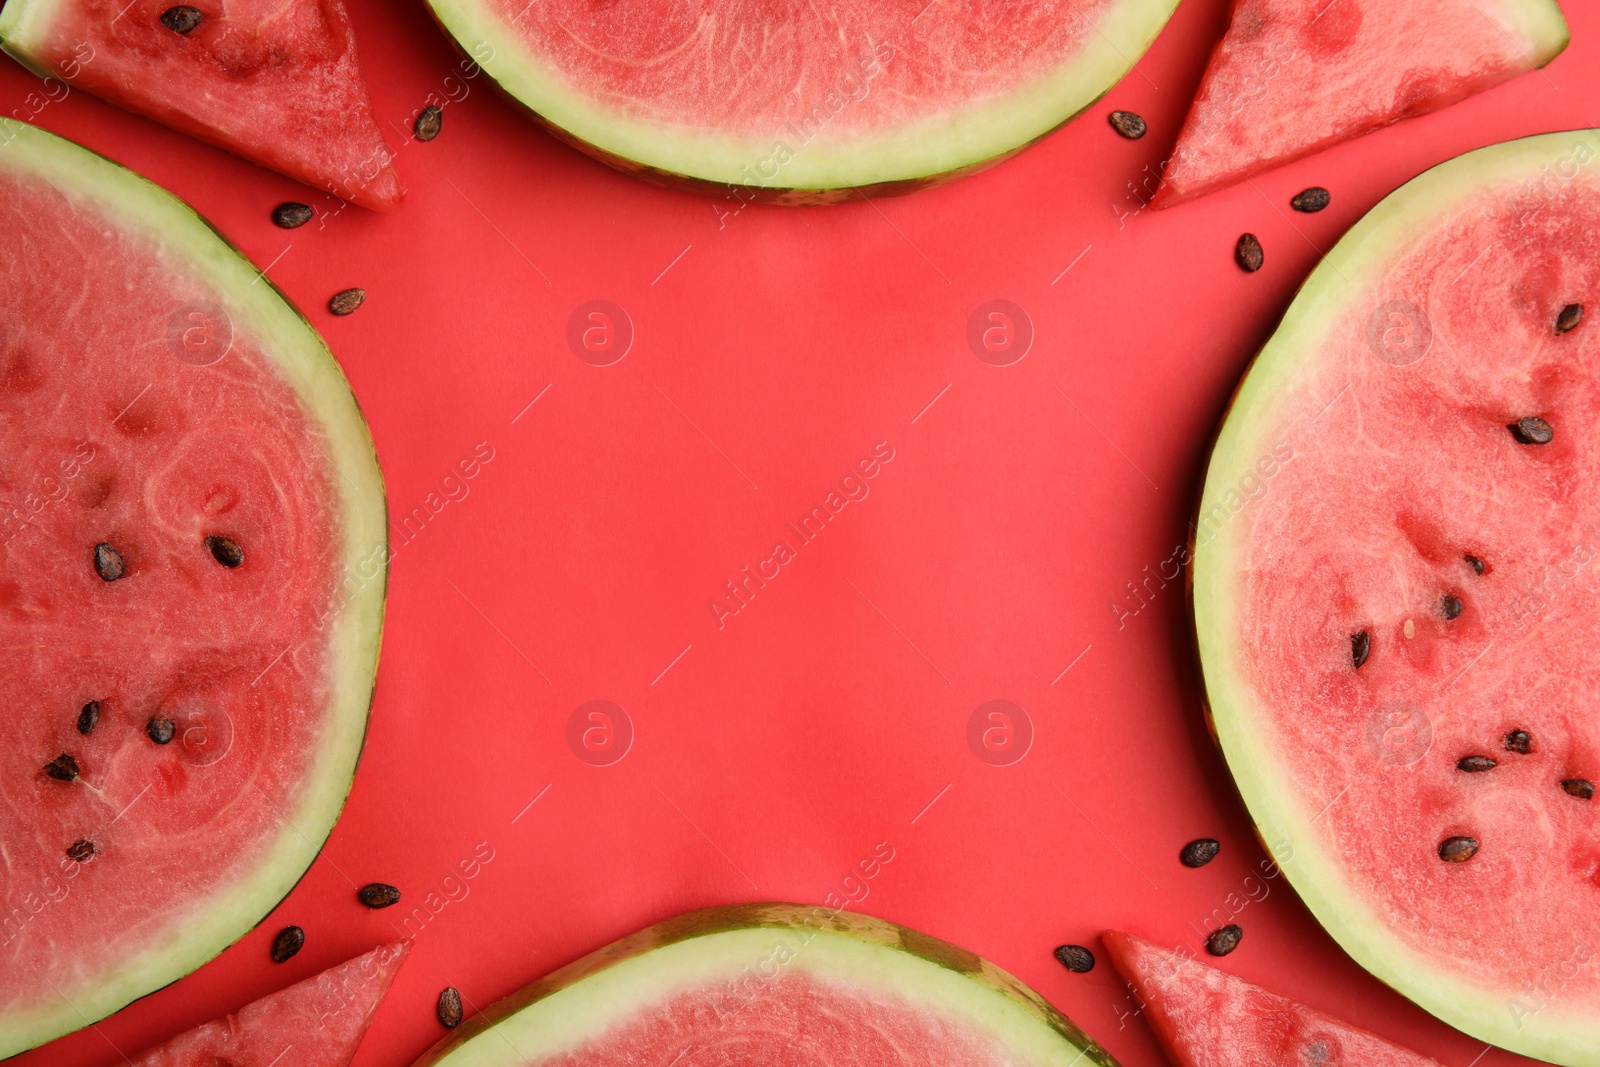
771	351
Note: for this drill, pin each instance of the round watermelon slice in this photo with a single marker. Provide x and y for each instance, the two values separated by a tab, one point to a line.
192	565
787	101
775	984
1395	570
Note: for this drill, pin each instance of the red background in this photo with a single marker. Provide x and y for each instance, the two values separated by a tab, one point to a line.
772	350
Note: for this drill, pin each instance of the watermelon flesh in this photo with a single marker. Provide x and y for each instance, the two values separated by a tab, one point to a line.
181	737
274	81
1393	592
1205	1017
783	95
1293	77
772	985
315	1023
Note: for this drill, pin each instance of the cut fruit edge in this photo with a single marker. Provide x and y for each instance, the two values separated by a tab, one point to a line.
899	160
1284	826
117	196
724	944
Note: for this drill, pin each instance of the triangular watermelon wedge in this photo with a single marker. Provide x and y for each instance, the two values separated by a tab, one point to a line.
274	81
315	1023
1293	77
1204	1017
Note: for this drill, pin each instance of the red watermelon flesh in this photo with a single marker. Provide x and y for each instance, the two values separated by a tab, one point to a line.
315	1023
274	81
1205	1017
1293	77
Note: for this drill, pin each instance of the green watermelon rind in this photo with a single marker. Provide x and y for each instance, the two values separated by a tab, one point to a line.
1283	818
94	184
931	151
734	943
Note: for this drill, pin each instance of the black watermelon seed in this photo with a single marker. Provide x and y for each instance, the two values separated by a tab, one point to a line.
1450	606
181	19
1569	318
108	563
89	717
291	215
81	850
1360	648
1532	430
427	125
1458	849
379	895
63	768
1475	563
161	731
290	939
1475	764
1249	254
1199	852
1225	940
450	1007
1311	200
1519	742
345	301
1075	958
225	551
1581	788
1128	123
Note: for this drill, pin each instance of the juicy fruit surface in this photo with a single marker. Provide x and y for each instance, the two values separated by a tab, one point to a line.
315	1023
753	67
1205	1017
1293	77
181	734
275	81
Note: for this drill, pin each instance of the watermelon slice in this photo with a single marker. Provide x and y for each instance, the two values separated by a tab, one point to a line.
1205	1017
1394	580
315	1023
1293	77
192	562
797	102
778	984
274	81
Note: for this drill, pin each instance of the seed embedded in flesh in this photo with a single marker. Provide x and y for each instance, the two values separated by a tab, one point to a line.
1475	563
81	850
89	717
1075	958
161	731
63	768
1249	254
108	563
1519	742
345	301
1360	648
1532	430
290	939
428	123
1475	764
1311	200
1581	788
1225	940
181	19
379	895
1458	849
291	215
225	551
1199	852
1128	123
1569	318
1450	606
449	1008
